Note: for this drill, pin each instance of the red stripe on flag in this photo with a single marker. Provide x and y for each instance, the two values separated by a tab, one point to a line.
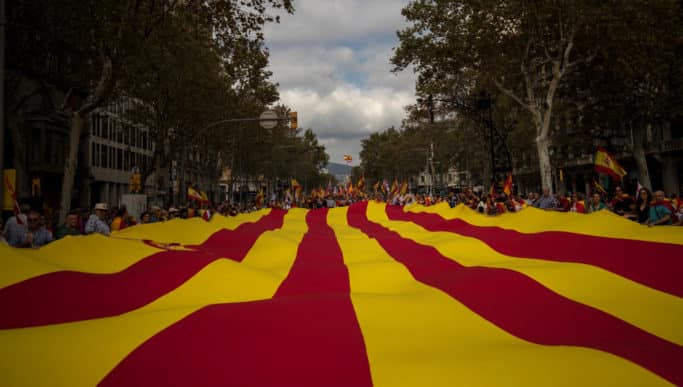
307	335
71	296
525	308
656	265
235	244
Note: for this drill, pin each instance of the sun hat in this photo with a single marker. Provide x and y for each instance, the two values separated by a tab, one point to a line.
101	206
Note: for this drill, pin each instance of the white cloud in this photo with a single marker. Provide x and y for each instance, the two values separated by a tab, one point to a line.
332	61
341	118
337	20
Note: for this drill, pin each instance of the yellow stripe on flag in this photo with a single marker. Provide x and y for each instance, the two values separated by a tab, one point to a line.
91	254
416	335
191	231
657	312
232	222
83	353
532	220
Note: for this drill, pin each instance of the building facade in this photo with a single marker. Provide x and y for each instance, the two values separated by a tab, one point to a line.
117	148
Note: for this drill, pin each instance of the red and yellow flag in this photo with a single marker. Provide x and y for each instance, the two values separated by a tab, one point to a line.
607	164
199	196
351	296
507	187
258	200
361	184
394	188
404	187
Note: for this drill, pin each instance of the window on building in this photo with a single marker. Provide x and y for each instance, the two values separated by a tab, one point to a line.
119	159
126	136
104	156
144	140
126	160
119	131
93	154
93	125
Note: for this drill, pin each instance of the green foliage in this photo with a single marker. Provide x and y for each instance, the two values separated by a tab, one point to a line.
580	64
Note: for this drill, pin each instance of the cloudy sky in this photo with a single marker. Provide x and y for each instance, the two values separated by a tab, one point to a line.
331	59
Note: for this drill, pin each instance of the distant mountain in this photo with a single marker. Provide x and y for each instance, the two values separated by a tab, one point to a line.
339	171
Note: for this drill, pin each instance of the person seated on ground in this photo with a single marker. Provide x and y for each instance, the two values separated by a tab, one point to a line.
621	203
97	222
660	210
37	235
70	226
595	204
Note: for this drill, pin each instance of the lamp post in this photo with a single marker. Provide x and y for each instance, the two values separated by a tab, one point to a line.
268	120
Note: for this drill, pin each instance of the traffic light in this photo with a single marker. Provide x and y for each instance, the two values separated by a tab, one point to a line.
292	120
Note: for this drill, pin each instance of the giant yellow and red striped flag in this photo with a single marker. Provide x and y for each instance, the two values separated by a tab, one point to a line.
353	296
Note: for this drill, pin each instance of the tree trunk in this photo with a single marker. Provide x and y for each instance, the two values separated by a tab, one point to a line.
76	129
17	130
639	157
542	145
104	88
670	181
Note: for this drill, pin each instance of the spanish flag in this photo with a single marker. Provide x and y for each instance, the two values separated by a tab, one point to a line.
296	187
607	164
258	200
507	188
404	187
362	295
199	196
361	184
394	188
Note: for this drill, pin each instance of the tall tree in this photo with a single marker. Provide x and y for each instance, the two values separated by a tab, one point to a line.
108	35
524	49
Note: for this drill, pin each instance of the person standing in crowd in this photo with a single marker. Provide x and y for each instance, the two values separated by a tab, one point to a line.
577	204
145	218
122	220
595	204
2	232
621	203
17	226
70	226
641	210
660	210
97	221
547	201
36	235
155	215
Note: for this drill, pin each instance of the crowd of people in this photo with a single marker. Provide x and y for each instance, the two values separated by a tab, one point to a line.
30	228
